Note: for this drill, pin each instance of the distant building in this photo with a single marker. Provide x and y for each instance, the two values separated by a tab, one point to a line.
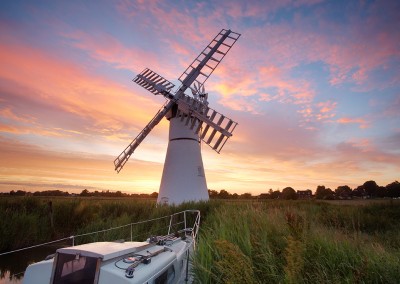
304	194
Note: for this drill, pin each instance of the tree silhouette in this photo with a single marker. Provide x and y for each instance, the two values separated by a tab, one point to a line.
288	193
393	189
371	188
343	192
323	193
84	192
246	195
224	194
359	191
212	193
275	194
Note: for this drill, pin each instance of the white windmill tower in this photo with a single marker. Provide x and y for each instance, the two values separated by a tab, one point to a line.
191	120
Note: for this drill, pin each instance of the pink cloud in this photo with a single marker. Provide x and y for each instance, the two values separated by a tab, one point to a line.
327	106
236	79
64	90
258	68
8	113
8	128
180	49
105	48
364	151
349	52
325	111
236	82
362	122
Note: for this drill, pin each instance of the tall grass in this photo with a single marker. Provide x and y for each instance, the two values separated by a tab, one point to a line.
240	242
26	221
299	242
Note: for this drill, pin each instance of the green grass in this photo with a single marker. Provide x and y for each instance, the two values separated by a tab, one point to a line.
26	221
272	241
299	242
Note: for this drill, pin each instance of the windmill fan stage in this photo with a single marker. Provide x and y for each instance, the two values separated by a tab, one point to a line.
191	120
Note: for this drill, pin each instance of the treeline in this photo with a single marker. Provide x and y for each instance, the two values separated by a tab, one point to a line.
368	189
84	193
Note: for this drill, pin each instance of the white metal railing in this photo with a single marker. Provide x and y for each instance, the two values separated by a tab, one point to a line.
186	227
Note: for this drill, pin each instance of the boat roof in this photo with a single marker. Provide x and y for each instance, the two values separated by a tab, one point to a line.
105	250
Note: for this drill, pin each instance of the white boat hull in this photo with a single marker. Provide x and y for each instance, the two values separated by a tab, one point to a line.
169	265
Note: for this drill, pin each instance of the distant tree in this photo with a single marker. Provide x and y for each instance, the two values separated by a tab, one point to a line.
246	196
275	195
343	192
264	196
381	192
17	193
224	194
235	196
371	188
393	189
51	193
20	193
84	192
359	191
320	192
154	195
288	193
323	193
212	193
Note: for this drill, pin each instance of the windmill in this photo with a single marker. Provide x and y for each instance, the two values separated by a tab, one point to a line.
191	120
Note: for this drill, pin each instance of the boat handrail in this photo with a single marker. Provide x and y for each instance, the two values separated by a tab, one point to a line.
193	230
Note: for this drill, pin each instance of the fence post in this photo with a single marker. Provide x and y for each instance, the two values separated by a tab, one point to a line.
184	217
170	223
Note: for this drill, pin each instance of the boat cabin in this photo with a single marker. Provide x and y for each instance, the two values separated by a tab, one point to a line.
155	261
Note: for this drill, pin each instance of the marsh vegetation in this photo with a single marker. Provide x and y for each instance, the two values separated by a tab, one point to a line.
268	241
300	242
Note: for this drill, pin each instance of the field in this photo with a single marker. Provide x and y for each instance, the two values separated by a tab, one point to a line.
240	242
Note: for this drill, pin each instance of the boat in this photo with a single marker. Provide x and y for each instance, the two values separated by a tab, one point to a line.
158	259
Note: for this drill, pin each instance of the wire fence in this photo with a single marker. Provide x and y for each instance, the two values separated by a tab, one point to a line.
187	220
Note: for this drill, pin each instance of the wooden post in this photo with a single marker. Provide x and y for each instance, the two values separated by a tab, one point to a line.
51	214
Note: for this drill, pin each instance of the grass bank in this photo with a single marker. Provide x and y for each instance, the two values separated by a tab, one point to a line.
27	221
299	242
240	242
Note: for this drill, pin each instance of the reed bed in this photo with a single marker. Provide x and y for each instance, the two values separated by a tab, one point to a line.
299	242
27	221
269	241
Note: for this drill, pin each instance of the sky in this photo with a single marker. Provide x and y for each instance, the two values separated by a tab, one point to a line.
314	86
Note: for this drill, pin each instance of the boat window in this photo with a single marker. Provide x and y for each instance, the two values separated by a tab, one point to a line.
75	269
166	277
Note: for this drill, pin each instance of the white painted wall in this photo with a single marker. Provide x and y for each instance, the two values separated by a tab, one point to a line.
183	177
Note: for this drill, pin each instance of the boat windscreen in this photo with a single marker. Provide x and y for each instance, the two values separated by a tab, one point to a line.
75	269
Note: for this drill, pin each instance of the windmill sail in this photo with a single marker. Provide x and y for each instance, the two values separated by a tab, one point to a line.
217	127
218	48
153	82
121	160
197	73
